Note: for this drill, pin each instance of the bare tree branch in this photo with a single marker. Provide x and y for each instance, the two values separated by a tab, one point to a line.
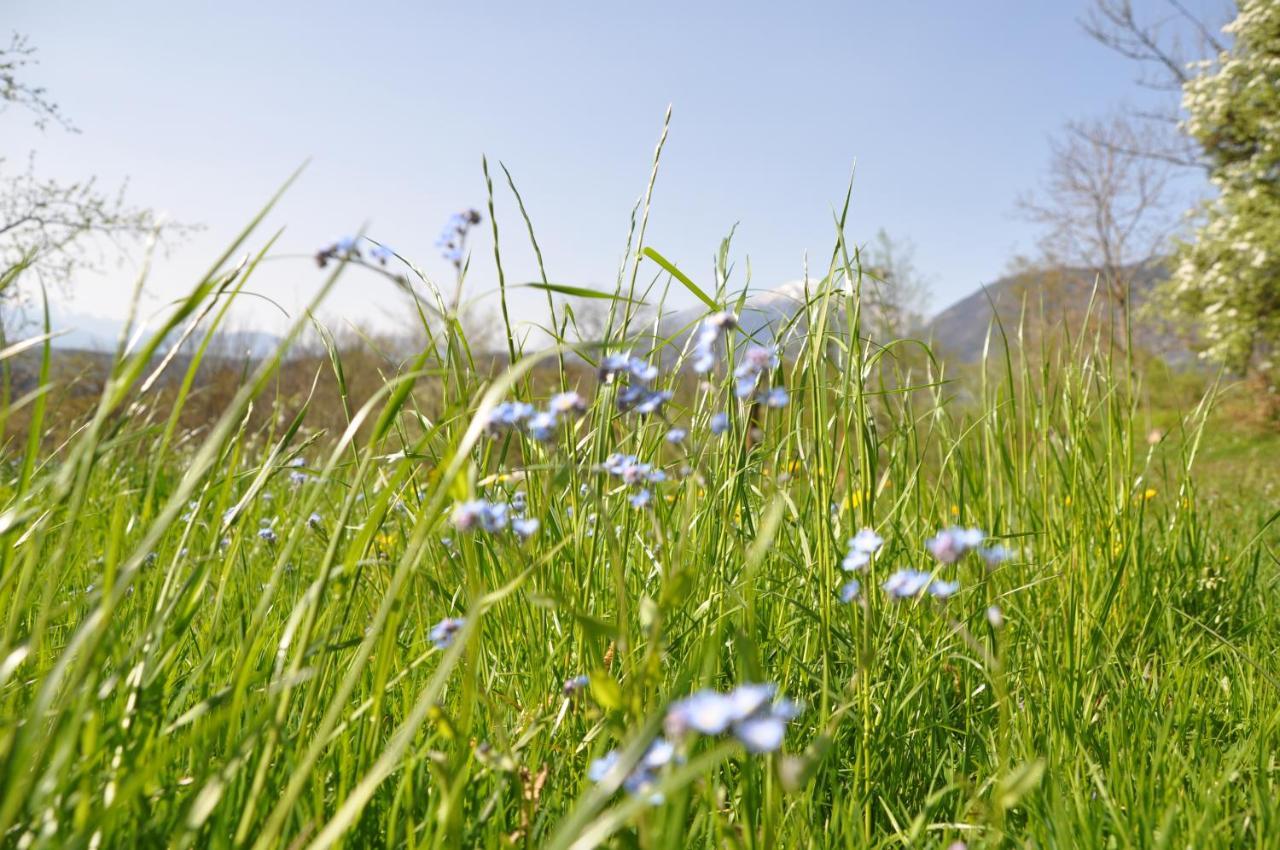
55	226
1157	46
14	59
1104	205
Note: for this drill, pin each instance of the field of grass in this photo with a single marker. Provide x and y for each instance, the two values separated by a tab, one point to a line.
255	633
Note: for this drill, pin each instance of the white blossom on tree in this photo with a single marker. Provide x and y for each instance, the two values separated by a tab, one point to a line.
1226	277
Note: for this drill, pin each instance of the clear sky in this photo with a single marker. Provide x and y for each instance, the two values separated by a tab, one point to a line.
206	107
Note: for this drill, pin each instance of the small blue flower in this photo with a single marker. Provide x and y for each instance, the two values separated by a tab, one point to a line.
454	236
706	712
634	472
704	355
479	514
719	423
575	684
749	711
653	402
704	347
676	435
466	516
314	520
851	590
776	397
616	462
567	403
745	385
381	254
599	768
660	754
542	426
761	734
508	414
995	555
757	359
525	528
746	700
855	561
862	546
495	518
630	396
940	589
866	540
908	584
641	499
267	534
612	365
641	371
643	776
951	544
443	632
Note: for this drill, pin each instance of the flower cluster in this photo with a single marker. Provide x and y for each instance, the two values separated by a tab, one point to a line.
453	238
635	474
381	254
539	424
443	632
493	517
575	684
909	583
713	328
343	248
758	360
296	475
948	546
952	544
644	775
749	712
348	247
862	546
612	366
636	395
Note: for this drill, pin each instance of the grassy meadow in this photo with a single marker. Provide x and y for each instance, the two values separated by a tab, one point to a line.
255	630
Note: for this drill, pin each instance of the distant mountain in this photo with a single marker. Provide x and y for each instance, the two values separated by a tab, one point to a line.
1059	295
81	331
762	315
86	332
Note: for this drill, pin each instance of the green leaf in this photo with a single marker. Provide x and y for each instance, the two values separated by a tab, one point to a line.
580	292
605	690
680	276
1020	781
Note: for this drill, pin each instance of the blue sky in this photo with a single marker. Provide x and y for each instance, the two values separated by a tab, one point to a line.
944	106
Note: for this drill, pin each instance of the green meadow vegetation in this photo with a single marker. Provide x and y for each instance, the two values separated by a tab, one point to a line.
253	631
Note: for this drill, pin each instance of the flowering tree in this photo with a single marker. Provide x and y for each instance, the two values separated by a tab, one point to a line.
1226	279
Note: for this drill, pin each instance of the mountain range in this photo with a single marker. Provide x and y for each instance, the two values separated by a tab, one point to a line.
958	333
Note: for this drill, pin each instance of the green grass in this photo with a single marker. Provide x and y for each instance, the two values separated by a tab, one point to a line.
169	678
